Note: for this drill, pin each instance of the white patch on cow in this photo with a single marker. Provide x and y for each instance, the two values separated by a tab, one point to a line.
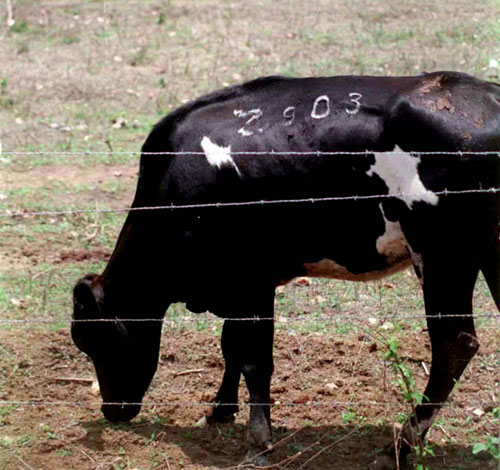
399	171
218	156
317	101
244	132
392	243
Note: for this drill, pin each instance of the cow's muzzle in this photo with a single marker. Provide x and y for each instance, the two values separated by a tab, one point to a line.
116	413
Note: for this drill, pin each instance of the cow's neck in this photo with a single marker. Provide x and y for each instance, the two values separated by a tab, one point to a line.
129	279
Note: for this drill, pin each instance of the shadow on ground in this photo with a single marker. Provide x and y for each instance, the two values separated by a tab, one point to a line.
313	447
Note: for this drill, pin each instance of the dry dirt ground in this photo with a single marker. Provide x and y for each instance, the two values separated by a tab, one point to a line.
314	371
94	76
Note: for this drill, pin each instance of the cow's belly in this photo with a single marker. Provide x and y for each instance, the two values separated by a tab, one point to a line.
391	244
330	269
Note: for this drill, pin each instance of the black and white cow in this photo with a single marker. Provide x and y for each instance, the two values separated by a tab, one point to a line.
229	259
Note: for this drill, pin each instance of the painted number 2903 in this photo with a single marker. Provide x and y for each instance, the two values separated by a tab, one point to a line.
320	110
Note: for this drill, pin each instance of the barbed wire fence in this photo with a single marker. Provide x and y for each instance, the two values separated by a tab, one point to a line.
16	214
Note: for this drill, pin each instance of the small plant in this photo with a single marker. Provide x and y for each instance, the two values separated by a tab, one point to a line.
295	447
406	384
492	443
64	452
50	434
161	18
19	26
491	446
348	416
158	420
5	99
70	40
24	440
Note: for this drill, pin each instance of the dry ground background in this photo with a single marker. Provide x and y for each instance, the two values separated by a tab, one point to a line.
94	76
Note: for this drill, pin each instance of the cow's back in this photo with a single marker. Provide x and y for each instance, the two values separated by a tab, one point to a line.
249	143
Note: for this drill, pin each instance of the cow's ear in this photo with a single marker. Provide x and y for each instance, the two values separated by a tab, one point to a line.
86	296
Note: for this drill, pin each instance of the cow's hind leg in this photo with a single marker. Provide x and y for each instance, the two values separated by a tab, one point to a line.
256	345
226	399
448	302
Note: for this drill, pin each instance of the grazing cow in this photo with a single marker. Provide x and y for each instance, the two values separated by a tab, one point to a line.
246	144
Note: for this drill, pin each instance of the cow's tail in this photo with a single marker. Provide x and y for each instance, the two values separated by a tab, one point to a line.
490	267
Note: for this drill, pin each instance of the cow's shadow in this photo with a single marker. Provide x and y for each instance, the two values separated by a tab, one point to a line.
224	445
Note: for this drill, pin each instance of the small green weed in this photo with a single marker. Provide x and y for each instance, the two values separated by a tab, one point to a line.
48	431
5	100
161	18
20	26
407	386
491	446
348	417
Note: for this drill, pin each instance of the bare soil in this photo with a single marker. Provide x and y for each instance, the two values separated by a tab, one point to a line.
313	372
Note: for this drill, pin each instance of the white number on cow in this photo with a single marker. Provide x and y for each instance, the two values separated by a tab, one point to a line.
355	100
255	115
289	115
321	101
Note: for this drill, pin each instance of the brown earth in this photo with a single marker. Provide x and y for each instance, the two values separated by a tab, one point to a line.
313	372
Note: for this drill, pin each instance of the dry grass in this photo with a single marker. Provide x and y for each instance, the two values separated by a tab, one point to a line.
81	65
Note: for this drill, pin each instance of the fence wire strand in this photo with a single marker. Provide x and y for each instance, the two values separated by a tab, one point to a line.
305	319
445	192
319	153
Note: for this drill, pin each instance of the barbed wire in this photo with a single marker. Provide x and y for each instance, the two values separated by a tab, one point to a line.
303	319
261	152
263	202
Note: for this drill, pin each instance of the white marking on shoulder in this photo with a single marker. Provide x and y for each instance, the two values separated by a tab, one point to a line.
218	156
399	171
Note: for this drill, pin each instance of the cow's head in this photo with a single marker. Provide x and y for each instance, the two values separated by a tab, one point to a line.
124	353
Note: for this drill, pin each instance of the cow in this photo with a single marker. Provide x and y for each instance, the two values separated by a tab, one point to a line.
347	177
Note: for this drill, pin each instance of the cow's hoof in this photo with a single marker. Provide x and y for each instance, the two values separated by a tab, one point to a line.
259	461
383	462
259	457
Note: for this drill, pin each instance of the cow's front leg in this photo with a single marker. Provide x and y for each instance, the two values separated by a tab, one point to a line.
448	304
226	400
